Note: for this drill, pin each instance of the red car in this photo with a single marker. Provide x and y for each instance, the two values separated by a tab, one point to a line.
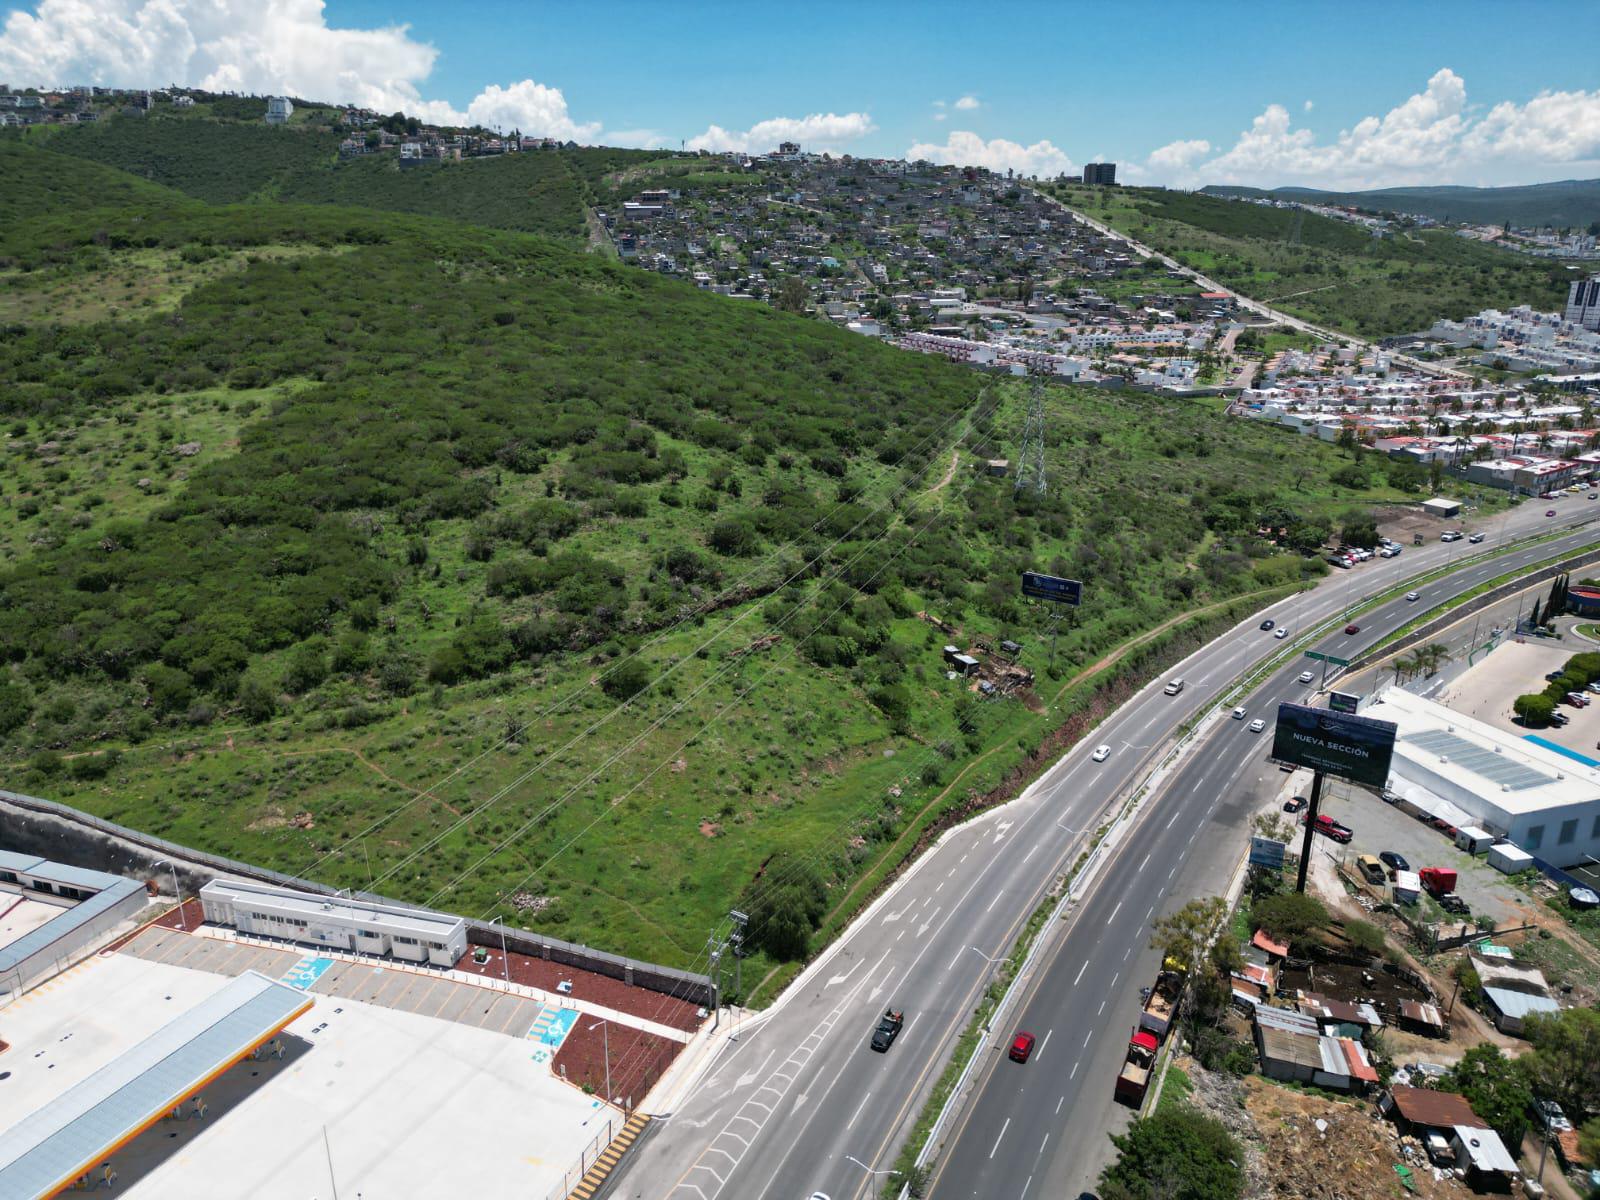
1549	512
1328	827
1352	628
1021	1047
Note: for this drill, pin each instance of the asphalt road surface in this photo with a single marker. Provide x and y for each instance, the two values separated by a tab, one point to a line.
800	1104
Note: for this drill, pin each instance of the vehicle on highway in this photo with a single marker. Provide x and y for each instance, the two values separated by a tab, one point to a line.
1475	538
1450	535
1268	624
819	1196
1594	495
1282	633
1135	1078
889	1026
1328	827
1395	862
1352	628
1257	725
1453	903
1413	596
1174	686
1021	1046
1307	676
1161	1003
1101	753
1295	804
1239	714
1549	512
1371	868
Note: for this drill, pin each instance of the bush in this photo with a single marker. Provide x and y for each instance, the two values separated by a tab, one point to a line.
625	680
1366	936
14	707
1534	708
1176	1153
1290	915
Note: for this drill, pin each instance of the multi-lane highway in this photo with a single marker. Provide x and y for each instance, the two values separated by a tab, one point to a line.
800	1104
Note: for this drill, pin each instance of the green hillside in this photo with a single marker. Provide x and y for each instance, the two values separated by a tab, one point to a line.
343	562
1567	203
1323	269
39	181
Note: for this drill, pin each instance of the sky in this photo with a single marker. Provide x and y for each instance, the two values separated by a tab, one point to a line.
1340	95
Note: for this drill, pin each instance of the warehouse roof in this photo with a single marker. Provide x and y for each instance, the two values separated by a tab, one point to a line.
25	947
49	1148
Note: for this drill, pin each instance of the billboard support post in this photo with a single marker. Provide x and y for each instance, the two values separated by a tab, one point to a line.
1311	830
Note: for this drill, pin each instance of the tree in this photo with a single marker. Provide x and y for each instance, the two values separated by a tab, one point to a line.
625	680
1290	915
1589	1139
257	701
1184	935
15	707
792	294
784	905
1497	1089
1534	708
170	688
1565	1063
1178	1153
1366	936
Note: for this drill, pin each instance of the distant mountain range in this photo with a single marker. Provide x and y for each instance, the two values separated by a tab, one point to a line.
1567	203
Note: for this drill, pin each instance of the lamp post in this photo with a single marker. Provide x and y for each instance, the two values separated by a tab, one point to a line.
183	922
605	1036
875	1174
505	961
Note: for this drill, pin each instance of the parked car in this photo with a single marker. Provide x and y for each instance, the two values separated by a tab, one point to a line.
1021	1046
1340	561
1257	725
1595	687
1453	903
1101	753
1389	552
1394	861
1328	827
1307	676
1577	699
1551	1116
1268	624
1352	628
1371	868
1295	804
1558	719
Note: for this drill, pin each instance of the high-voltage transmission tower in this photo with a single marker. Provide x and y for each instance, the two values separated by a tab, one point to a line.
1030	458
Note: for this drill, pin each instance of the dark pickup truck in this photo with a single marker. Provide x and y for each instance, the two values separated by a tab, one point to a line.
888	1029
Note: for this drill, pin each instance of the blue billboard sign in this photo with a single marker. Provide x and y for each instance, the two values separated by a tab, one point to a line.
1051	587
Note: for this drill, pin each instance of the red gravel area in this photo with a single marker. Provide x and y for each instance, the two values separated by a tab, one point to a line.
587	985
638	1059
193	913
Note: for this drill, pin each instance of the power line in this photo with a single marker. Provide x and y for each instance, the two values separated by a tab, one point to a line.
1030	457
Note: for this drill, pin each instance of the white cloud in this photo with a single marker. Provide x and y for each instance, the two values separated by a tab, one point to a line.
1434	136
258	46
638	139
939	116
817	132
966	149
1308	106
531	107
1176	156
967	103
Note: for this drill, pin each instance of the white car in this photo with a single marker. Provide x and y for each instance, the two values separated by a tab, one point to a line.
1101	753
1307	676
1413	596
1238	714
1257	725
1281	634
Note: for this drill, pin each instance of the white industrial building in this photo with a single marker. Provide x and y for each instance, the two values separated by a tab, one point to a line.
339	922
91	903
1469	772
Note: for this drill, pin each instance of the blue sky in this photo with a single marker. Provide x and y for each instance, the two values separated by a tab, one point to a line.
1347	94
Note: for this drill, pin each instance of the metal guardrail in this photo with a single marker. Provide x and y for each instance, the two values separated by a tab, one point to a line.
573	1176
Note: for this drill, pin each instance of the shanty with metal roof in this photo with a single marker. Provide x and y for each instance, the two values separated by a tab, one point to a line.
62	1140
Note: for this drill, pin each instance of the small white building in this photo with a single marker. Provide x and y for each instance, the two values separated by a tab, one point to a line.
279	110
90	904
339	922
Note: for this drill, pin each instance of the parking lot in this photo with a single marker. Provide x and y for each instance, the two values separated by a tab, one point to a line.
1486	691
1378	827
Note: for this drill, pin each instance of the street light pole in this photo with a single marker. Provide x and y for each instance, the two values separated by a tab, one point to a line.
876	1192
605	1038
183	922
505	960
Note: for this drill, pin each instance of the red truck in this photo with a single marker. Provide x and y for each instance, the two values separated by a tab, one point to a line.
1136	1068
1439	881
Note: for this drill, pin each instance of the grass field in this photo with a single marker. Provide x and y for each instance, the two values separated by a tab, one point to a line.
509	580
1321	269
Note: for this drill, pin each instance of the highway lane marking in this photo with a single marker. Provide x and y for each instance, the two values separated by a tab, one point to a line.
852	1122
1003	1129
1114	979
750	1077
1031	853
1171	873
1073	1075
1171	820
1081	970
1042	1145
1146	862
1030	1177
995	901
1043	1044
1086	1038
1114	912
1148	913
1102	1008
1063	1099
